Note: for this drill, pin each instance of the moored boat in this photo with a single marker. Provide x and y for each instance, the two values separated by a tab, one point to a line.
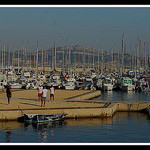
43	117
107	85
125	84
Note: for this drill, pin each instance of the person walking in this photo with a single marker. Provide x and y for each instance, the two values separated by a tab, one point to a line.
40	90
9	93
44	96
52	90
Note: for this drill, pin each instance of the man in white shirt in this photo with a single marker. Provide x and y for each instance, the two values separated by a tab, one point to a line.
40	92
52	90
44	96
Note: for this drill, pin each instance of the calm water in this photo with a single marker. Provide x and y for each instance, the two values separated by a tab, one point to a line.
127	96
123	127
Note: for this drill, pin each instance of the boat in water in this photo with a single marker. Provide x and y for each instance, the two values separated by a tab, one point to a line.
107	85
39	118
69	83
15	85
125	84
54	80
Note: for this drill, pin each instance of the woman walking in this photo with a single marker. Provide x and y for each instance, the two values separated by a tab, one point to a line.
9	93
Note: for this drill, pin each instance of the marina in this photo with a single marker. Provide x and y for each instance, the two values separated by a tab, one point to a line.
86	88
93	80
74	74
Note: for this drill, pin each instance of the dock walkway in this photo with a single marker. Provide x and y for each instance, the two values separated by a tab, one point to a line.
74	108
73	103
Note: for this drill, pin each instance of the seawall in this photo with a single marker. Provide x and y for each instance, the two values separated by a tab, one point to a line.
85	96
74	108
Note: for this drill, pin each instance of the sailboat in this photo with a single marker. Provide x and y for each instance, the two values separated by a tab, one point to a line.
107	85
126	84
69	83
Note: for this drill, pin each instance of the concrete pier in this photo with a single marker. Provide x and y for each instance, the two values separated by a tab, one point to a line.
74	108
85	96
75	103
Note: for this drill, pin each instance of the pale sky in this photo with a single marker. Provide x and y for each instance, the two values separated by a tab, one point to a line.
81	26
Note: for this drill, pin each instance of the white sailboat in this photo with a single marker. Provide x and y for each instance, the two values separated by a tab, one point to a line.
69	84
107	85
126	84
54	80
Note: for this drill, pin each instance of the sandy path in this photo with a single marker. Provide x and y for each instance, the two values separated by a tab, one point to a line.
26	99
33	94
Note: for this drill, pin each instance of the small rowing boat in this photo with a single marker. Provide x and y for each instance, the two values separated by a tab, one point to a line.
39	118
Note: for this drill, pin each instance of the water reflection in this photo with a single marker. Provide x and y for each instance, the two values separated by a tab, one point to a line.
8	135
124	96
8	128
123	127
42	129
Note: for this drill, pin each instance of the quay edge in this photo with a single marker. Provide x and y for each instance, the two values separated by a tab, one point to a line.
107	110
86	96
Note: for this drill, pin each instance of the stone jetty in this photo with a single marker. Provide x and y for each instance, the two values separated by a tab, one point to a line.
76	106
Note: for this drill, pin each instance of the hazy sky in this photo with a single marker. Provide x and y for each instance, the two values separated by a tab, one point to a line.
86	26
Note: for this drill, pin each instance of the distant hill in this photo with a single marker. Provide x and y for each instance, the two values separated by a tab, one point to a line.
76	56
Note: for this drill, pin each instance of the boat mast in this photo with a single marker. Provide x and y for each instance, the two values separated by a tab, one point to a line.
83	59
93	58
37	60
98	60
118	59
13	59
122	64
102	66
112	59
69	64
147	57
54	55
8	55
2	57
140	55
66	56
63	59
42	59
138	66
18	60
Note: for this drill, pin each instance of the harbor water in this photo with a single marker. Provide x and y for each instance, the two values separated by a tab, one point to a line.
124	96
123	127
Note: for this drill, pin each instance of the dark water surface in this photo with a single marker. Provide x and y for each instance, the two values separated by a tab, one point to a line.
123	127
126	96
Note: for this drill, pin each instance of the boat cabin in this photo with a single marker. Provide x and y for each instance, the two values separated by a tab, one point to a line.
127	81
